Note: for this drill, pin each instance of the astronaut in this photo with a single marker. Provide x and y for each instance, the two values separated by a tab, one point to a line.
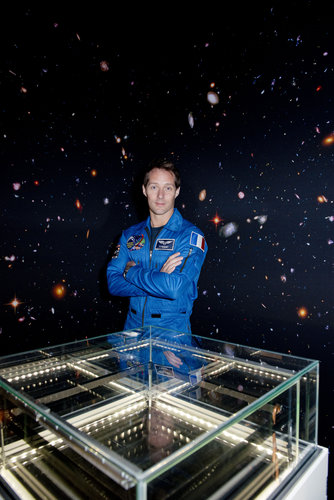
157	262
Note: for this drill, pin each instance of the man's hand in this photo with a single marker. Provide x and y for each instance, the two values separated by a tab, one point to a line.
127	267
171	263
173	359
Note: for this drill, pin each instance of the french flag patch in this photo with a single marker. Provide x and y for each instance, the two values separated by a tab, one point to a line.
197	240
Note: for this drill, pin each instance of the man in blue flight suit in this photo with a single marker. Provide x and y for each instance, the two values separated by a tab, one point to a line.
158	261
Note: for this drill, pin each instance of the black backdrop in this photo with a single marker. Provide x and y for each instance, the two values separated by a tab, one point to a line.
89	97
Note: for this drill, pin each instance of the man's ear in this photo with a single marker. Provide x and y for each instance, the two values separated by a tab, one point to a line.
144	190
177	192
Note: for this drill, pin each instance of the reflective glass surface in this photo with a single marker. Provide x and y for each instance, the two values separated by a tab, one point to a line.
154	413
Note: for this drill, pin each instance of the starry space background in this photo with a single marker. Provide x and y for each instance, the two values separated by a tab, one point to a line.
241	101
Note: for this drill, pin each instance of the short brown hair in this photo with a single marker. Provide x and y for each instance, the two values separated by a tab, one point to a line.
166	165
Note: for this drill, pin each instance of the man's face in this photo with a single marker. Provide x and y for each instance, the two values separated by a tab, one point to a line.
161	192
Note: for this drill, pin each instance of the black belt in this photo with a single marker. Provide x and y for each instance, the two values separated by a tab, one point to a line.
155	315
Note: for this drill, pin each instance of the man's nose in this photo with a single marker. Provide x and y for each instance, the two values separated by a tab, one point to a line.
160	193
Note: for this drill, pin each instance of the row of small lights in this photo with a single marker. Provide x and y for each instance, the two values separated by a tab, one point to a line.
90	391
36	373
54	367
30	454
221	369
83	370
101	424
182	414
126	349
122	387
114	417
261	372
138	406
48	370
200	421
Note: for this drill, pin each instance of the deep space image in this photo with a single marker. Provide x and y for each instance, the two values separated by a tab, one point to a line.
240	98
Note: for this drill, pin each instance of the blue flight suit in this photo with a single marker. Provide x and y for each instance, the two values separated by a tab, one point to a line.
157	298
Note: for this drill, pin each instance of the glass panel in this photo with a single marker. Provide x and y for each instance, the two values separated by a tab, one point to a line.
241	461
38	464
159	407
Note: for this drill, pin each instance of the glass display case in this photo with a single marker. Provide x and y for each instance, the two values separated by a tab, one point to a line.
153	413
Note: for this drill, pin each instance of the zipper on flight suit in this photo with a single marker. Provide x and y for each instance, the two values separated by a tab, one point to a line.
151	253
185	260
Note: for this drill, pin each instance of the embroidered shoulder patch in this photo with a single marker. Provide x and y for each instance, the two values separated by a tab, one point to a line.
166	244
197	240
135	242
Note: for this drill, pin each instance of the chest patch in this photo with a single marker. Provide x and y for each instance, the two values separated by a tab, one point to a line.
166	244
135	242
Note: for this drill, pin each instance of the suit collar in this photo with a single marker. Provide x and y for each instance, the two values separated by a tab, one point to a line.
174	222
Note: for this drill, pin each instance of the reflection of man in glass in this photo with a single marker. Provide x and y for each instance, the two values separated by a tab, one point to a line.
158	261
159	435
